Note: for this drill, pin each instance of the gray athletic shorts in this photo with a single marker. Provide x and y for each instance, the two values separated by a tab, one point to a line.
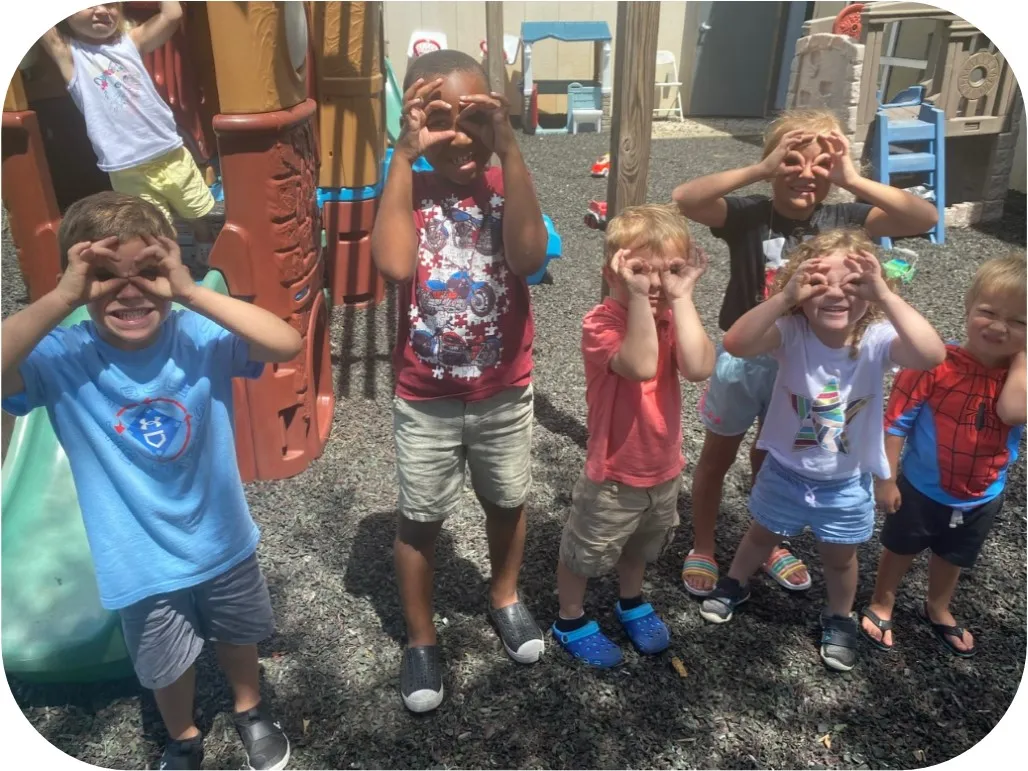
165	633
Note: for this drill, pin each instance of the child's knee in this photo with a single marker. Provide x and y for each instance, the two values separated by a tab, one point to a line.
417	534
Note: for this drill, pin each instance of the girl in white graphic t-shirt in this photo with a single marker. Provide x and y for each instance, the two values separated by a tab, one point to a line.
834	325
130	126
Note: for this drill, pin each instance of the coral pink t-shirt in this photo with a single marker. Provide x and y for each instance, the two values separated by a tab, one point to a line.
465	328
635	429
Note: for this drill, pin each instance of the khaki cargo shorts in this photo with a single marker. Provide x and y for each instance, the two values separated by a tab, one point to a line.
611	519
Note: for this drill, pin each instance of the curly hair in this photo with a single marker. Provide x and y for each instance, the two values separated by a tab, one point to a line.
827	242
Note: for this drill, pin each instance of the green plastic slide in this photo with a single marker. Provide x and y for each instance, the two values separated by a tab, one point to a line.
394	104
52	625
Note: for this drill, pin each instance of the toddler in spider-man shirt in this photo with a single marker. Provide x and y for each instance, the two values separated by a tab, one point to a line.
961	424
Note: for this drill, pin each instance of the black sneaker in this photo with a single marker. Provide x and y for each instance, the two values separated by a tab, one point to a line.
521	636
728	595
187	754
266	745
421	678
838	641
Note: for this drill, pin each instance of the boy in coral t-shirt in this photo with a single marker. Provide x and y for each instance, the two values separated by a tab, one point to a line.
625	504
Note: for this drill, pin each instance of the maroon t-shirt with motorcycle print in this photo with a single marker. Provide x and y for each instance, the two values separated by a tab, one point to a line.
466	329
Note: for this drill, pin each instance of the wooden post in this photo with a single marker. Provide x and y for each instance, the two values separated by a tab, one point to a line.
494	44
635	68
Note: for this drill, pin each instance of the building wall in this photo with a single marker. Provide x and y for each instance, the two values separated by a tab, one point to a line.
464	26
1019	172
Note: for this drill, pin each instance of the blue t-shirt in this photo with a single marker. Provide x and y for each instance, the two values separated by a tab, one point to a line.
148	435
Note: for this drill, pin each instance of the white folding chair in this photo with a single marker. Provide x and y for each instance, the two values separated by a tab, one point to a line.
668	85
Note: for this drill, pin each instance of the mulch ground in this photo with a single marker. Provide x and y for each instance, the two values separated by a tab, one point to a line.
755	694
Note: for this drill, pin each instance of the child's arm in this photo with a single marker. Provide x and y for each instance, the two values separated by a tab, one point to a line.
917	345
694	352
158	29
56	47
394	241
896	212
269	337
702	200
79	284
756	331
887	494
524	232
639	353
1010	407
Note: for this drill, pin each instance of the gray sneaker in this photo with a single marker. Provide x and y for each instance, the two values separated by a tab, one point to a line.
728	595
838	641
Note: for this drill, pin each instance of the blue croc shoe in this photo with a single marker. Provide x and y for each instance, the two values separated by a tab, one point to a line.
590	645
644	628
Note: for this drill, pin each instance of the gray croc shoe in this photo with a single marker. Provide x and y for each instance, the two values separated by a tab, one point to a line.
521	636
421	678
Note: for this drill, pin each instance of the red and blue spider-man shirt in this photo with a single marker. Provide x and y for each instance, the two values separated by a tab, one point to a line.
958	451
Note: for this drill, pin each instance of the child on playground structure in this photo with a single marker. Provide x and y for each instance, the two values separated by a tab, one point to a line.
958	428
130	126
823	430
635	344
805	154
140	397
461	239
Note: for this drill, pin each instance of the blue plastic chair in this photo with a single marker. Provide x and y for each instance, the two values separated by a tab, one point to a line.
585	105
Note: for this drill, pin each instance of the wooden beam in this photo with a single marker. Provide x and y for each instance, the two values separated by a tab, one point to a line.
494	44
635	67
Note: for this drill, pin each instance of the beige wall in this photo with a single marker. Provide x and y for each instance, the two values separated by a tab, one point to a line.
464	26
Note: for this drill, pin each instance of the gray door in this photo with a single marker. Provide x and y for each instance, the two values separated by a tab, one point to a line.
735	69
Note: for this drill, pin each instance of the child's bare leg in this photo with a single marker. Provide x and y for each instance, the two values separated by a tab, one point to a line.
242	670
505	531
942	583
891	569
753	550
840	568
716	458
414	555
175	703
631	570
571	592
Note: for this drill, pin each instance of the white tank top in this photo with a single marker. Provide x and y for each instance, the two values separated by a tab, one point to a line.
127	121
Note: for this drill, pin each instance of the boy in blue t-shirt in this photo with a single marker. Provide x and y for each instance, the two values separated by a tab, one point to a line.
140	398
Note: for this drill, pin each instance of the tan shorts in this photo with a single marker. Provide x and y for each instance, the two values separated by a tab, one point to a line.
611	519
171	182
435	439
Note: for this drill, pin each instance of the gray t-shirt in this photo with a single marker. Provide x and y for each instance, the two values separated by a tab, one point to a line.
758	237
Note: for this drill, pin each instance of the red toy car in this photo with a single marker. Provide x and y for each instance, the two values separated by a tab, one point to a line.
596	217
601	166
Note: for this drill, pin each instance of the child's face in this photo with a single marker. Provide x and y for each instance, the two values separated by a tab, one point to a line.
797	193
463	158
129	320
650	265
96	23
996	327
834	310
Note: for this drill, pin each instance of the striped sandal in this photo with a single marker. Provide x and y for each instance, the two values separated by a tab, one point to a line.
697	566
781	565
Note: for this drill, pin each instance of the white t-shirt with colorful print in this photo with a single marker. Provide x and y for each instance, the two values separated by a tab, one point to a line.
825	416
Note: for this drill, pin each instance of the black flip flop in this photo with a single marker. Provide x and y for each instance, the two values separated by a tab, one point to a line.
944	632
884	625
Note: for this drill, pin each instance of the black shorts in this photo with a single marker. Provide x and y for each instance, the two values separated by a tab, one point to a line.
922	523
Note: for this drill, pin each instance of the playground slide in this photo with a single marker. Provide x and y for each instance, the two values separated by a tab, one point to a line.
394	103
53	627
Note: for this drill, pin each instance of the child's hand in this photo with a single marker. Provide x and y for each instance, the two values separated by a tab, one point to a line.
633	272
680	274
865	279
887	495
841	170
160	272
808	281
417	133
785	159
487	118
90	275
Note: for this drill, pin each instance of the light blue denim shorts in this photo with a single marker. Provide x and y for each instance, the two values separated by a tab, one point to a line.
737	393
837	511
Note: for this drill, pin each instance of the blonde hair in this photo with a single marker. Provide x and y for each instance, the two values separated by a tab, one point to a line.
828	242
1000	275
123	23
650	226
815	121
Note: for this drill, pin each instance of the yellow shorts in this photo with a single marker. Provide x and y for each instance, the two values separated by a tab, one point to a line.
170	182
